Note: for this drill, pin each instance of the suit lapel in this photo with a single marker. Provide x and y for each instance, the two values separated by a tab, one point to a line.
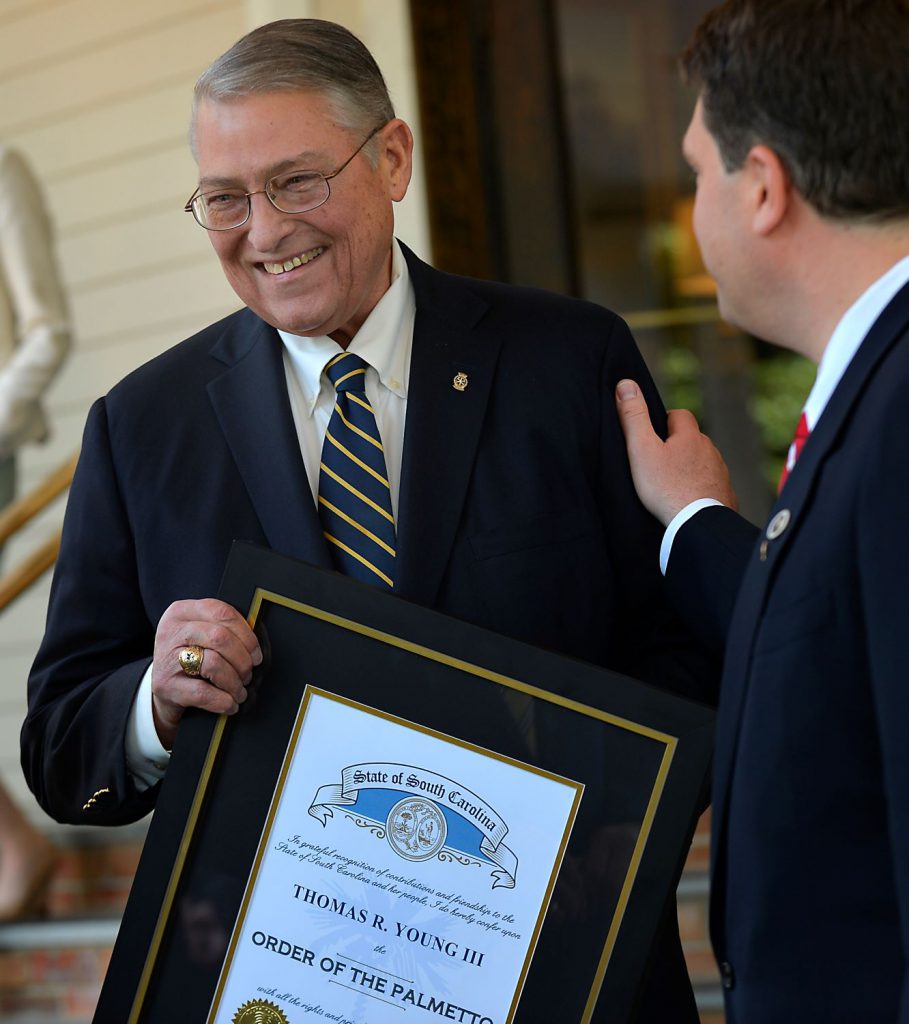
441	433
251	402
443	425
884	334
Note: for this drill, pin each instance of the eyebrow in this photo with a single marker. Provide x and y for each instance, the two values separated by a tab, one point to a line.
306	161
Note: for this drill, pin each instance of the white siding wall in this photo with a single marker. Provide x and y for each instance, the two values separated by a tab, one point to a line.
96	94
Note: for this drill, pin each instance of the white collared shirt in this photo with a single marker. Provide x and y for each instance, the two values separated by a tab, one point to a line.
384	342
845	341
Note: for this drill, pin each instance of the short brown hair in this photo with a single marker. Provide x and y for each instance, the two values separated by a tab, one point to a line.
824	83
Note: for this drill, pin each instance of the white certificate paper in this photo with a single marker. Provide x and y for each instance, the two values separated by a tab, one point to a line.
402	875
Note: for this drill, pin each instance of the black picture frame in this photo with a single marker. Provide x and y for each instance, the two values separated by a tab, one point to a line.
642	754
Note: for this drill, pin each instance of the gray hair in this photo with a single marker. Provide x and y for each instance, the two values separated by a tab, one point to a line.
302	55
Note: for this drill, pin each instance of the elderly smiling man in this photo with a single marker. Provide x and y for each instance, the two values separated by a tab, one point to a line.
451	441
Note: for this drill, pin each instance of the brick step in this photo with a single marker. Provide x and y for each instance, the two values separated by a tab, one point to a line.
92	878
51	971
52	966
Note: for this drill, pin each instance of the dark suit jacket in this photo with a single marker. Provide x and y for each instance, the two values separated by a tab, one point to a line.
810	908
516	509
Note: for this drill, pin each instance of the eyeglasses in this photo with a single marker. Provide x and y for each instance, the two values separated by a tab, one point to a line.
224	209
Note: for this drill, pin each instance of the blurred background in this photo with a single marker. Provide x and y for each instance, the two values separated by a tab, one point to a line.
548	139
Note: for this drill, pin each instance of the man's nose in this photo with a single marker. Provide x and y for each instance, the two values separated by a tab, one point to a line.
267	224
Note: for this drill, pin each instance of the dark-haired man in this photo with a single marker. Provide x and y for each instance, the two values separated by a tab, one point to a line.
802	213
489	443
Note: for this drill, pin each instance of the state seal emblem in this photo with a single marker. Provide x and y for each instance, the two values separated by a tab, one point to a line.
259	1011
421	815
416	829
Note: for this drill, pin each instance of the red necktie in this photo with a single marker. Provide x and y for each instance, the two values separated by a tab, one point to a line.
795	450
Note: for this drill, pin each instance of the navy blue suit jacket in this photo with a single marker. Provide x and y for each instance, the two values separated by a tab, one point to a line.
810	906
516	512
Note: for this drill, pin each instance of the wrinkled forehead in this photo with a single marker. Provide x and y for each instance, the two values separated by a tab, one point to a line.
301	114
249	139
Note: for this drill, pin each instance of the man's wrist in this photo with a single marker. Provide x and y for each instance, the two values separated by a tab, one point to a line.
676	523
146	757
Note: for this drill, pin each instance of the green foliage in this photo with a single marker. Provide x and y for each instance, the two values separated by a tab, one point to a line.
680	371
781	385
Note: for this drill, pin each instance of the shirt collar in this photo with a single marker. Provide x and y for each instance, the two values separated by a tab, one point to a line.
849	334
384	341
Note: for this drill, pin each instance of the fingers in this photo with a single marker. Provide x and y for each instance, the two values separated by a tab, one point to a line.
634	416
682	423
647	456
221	672
669	475
231	652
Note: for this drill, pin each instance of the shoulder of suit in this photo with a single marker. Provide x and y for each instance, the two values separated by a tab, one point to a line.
516	313
880	404
532	298
185	367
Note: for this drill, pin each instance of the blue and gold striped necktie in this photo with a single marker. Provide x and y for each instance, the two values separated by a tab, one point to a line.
354	495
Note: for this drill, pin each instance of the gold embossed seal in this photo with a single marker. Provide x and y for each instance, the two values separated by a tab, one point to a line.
259	1011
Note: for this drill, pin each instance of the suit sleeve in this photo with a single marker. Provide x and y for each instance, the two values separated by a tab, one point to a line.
884	571
656	645
97	645
709	556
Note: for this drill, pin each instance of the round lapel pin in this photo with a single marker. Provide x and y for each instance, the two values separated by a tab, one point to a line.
777	526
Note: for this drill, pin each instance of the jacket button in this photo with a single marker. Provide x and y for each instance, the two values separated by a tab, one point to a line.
727	975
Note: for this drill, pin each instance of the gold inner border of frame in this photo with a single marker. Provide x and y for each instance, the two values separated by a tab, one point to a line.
175	875
311	691
261	596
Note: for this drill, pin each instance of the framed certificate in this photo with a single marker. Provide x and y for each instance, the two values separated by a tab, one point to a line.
411	819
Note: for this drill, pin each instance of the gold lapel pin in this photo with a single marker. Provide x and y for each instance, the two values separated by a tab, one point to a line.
460	382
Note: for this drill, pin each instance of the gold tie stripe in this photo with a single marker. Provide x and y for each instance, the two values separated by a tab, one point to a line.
354	494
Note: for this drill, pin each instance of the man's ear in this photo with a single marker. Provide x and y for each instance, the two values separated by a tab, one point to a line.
396	154
771	188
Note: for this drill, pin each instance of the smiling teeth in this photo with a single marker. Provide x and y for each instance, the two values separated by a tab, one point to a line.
297	261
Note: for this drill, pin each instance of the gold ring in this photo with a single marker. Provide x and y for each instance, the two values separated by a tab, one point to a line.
191	660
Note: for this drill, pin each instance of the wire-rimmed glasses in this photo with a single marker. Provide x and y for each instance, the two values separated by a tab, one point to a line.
223	209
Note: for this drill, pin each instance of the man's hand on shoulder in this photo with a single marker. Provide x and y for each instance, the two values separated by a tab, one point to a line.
670	474
231	651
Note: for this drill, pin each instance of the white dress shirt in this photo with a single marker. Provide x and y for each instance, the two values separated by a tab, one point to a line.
848	335
384	342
